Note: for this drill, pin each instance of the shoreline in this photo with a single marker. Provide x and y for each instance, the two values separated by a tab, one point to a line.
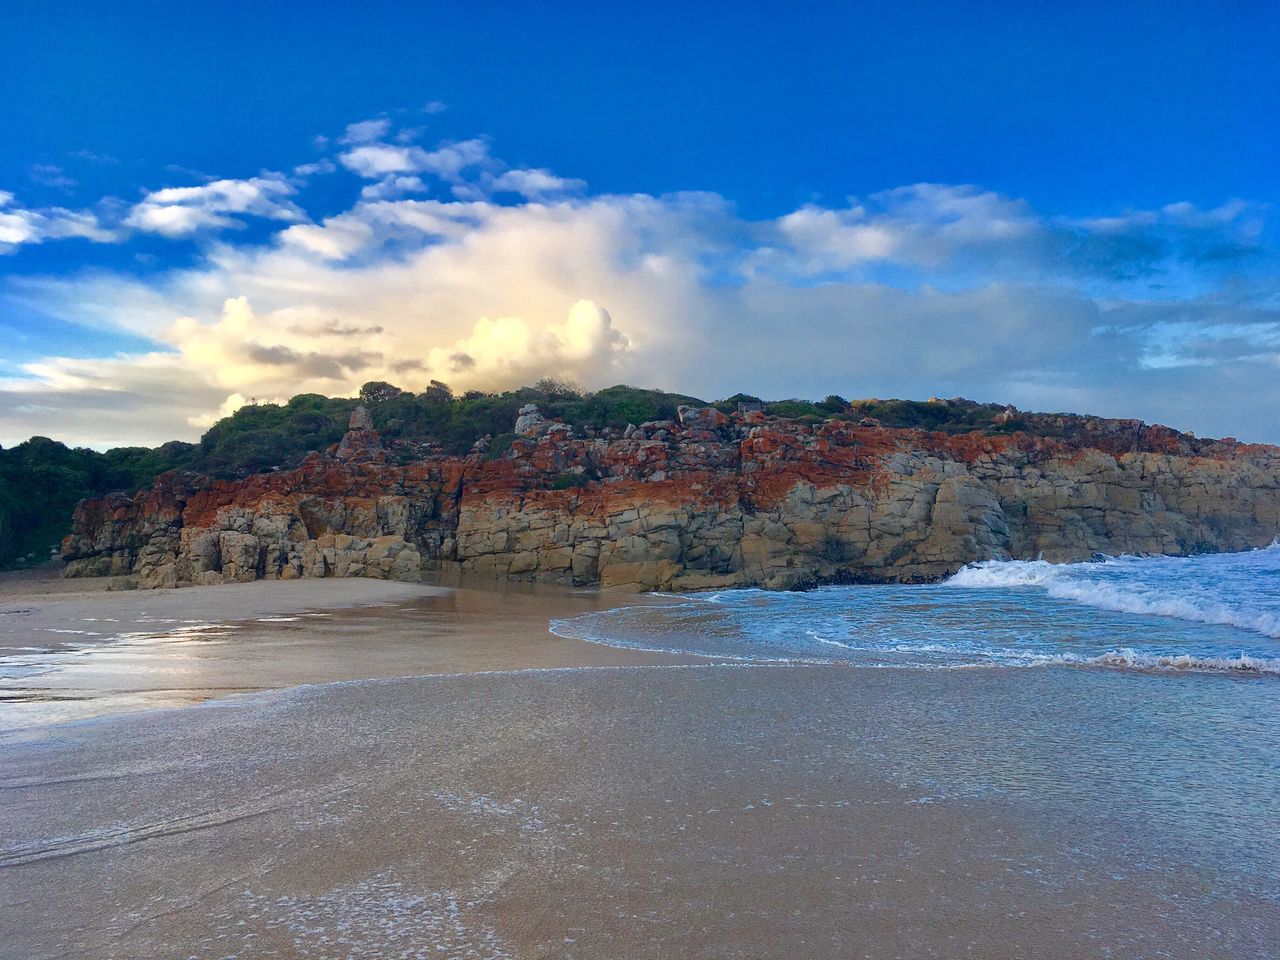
155	649
67	655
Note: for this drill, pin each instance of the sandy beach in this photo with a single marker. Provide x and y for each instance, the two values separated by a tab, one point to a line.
78	649
415	771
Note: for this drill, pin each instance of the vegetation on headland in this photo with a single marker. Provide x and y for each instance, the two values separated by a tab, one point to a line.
42	480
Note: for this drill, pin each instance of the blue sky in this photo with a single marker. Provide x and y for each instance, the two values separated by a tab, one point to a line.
1064	206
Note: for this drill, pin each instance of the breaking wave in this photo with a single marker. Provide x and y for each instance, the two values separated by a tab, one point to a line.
1213	614
1221	589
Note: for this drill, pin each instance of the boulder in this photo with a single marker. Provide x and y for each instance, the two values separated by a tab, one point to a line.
702	418
361	443
530	422
361	419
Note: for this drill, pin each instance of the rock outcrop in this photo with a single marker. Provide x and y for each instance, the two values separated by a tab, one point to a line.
361	443
530	422
706	501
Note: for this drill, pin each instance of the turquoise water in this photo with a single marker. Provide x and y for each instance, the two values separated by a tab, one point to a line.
1215	614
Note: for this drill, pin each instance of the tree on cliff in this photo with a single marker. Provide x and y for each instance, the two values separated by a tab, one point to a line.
437	392
378	391
559	388
834	403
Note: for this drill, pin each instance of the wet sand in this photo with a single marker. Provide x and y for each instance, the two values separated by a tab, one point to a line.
40	611
73	654
552	798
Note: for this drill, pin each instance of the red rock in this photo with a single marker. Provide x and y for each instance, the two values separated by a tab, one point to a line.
719	500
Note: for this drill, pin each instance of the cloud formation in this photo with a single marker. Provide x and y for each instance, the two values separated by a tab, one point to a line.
366	130
20	225
181	211
450	264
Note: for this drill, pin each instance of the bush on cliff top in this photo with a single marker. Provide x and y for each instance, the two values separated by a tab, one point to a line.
260	437
618	406
456	423
944	416
795	409
41	481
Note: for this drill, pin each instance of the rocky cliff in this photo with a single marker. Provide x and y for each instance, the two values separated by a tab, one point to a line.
707	501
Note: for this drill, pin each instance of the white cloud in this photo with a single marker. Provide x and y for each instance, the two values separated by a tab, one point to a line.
832	239
52	175
366	131
182	211
312	169
923	225
21	225
397	166
535	184
16	227
466	167
450	160
132	401
337	239
391	187
378	160
447	161
509	351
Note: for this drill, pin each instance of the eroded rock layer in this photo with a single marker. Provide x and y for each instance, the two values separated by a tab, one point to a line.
709	501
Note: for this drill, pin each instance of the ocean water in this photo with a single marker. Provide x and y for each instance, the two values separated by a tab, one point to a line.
1212	614
1132	704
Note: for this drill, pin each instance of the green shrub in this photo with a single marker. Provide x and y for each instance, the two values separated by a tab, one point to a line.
1009	426
618	406
499	446
947	417
834	403
794	409
730	404
260	437
41	481
567	481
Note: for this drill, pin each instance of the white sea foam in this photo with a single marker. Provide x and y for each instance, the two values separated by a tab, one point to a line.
574	628
1114	585
942	656
1129	658
833	643
1123	657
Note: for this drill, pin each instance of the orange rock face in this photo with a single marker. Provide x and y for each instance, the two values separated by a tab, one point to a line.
711	501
